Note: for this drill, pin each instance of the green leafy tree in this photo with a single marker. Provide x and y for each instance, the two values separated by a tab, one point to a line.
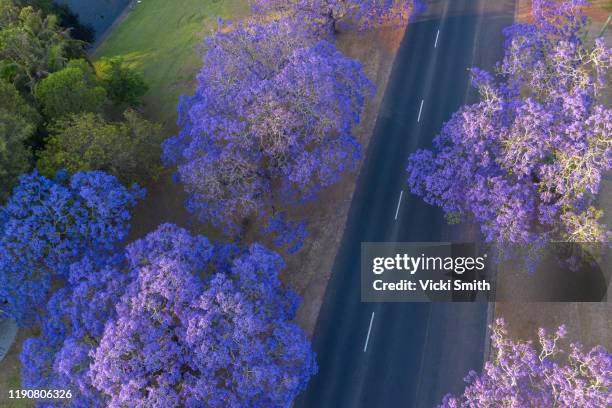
124	84
67	18
74	89
129	150
32	45
18	121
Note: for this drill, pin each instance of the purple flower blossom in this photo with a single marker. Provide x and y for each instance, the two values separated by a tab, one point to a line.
325	15
48	224
526	161
72	327
202	326
521	375
287	233
271	120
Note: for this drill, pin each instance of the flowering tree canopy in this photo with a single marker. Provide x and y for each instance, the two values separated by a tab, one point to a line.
271	119
526	161
364	14
519	375
75	317
202	326
48	224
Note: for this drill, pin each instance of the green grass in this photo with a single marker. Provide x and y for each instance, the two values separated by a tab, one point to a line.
160	37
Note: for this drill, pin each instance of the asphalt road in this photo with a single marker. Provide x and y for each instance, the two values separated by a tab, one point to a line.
406	354
8	331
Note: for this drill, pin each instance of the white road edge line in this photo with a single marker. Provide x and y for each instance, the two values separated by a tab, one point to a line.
420	111
398	204
365	347
436	43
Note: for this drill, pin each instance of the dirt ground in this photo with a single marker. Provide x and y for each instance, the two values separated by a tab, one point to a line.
598	10
588	323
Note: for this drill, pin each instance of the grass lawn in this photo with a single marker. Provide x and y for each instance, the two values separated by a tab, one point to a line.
159	37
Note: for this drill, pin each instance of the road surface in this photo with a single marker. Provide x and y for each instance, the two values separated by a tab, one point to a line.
408	354
8	331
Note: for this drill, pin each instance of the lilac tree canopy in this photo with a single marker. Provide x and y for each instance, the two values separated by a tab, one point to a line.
288	234
527	160
172	321
202	326
521	375
48	224
74	322
271	119
364	14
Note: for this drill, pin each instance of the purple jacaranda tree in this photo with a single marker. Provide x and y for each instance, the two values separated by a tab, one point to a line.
202	326
363	14
60	357
521	375
271	121
286	233
49	224
526	162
